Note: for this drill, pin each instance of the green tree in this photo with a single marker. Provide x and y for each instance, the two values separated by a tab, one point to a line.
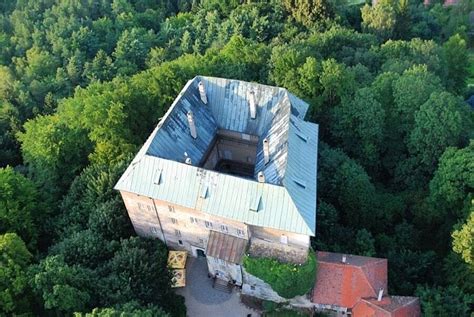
444	302
455	50
14	260
359	124
310	12
19	206
463	239
126	310
438	124
380	19
63	288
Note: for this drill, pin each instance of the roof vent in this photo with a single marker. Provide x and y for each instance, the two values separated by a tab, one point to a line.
157	179
344	259
252	105
192	126
266	151
256	203
202	92
188	161
261	177
379	297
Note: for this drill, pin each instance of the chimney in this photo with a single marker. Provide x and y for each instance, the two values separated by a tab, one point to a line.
344	259
188	161
202	92
192	126
252	105
379	297
261	177
266	151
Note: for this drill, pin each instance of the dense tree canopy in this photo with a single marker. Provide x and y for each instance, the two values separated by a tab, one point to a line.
82	84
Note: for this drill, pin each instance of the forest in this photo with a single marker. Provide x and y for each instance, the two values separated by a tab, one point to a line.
83	83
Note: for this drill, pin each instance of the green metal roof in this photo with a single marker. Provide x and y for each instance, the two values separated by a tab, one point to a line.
287	201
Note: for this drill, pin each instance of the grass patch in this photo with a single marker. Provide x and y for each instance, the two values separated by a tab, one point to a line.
288	280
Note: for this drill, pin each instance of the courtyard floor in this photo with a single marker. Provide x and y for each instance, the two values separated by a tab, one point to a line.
204	301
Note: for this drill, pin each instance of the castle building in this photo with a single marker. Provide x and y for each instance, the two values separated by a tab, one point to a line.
230	169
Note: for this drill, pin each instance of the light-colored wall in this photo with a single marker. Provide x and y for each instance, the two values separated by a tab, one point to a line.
231	271
146	222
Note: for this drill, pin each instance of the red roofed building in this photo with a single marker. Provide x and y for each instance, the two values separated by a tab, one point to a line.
390	306
352	284
344	284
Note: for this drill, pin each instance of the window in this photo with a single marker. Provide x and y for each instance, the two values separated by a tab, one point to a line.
170	208
180	242
150	208
193	220
140	206
252	287
224	228
283	239
177	233
240	232
174	221
201	241
154	230
208	224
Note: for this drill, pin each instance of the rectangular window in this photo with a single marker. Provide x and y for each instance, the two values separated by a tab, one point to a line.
150	208
174	221
180	242
240	232
208	224
201	241
140	206
193	220
224	228
177	233
154	230
170	208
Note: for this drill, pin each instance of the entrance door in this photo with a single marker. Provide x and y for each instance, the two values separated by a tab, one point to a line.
200	253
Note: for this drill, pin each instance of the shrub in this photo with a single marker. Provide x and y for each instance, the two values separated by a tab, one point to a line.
287	279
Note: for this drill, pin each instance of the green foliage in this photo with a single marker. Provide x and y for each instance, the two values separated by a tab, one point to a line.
457	61
310	12
14	260
463	240
288	280
127	310
19	206
444	302
63	288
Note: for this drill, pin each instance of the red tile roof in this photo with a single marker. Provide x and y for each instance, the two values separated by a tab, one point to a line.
344	284
390	306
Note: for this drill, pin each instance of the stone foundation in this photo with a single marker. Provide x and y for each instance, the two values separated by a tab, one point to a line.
281	252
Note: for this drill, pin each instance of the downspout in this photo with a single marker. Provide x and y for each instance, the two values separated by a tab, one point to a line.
157	217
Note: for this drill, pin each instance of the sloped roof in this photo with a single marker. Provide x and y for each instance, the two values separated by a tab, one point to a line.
344	284
225	247
288	198
389	306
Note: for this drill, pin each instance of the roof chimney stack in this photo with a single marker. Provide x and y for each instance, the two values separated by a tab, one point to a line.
261	177
266	151
252	105
188	161
379	297
202	92
344	259
192	126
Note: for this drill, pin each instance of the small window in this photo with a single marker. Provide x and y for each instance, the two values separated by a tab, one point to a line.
201	241
154	230
180	242
177	233
240	232
170	208
150	208
193	220
252	287
174	221
140	206
283	239
224	228
208	224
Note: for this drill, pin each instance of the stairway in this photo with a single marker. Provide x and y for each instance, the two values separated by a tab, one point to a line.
222	285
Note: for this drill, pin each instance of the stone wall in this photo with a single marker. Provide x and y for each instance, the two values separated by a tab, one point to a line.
281	252
253	286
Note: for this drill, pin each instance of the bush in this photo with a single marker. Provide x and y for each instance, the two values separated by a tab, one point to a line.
288	280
